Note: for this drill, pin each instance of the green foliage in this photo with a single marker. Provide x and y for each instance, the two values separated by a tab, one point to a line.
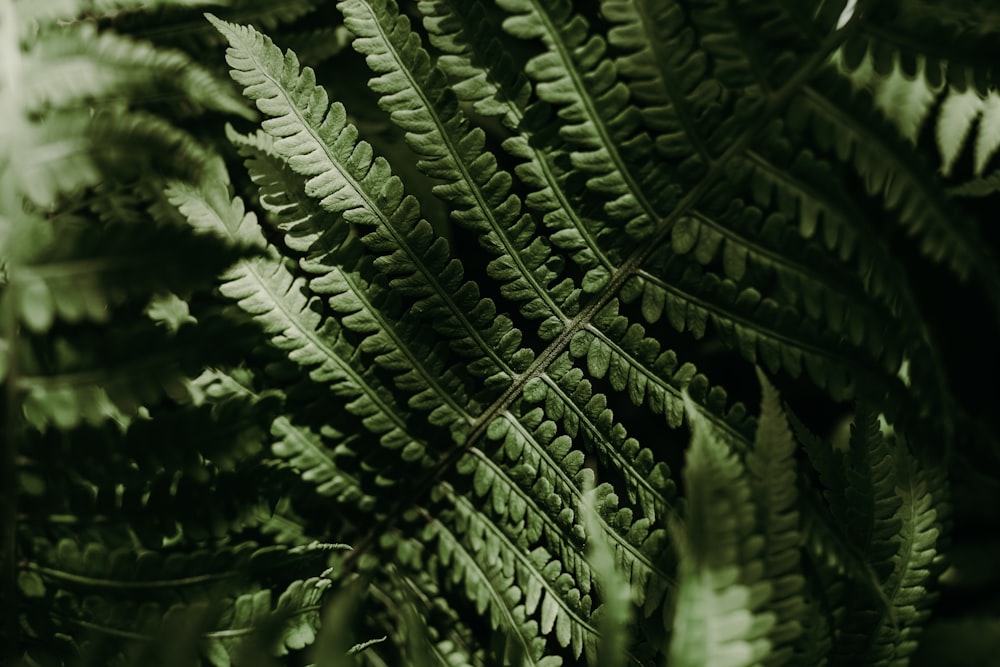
299	371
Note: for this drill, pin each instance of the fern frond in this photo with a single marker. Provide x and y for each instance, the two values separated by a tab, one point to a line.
772	473
720	616
91	376
317	458
959	113
297	607
750	244
78	66
920	487
72	150
614	616
828	464
419	102
74	271
53	158
847	124
396	228
551	493
669	81
179	576
361	297
154	505
955	46
758	327
297	610
472	56
373	284
370	309
802	189
548	593
265	289
547	464
307	228
315	463
128	594
977	187
576	76
910	102
317	143
746	242
46	12
486	78
59	143
386	326
886	500
440	624
221	435
568	397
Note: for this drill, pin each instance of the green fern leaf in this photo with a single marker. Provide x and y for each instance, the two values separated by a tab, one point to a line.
771	468
74	272
614	615
92	376
343	176
72	66
361	298
481	193
720	616
132	594
535	446
960	114
575	75
919	486
954	43
922	206
273	296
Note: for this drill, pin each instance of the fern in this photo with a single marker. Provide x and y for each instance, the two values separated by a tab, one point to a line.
721	589
424	354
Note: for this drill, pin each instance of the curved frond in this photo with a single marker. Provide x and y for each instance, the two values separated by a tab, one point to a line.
962	119
128	594
90	375
920	486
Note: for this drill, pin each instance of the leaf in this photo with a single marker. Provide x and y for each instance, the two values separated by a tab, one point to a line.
616	612
721	616
773	477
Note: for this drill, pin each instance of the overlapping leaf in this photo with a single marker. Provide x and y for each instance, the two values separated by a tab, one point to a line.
269	292
576	75
418	101
317	143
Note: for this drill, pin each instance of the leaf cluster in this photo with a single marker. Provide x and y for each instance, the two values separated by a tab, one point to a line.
254	311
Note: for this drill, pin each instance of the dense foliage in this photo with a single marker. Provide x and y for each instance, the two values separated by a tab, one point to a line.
430	370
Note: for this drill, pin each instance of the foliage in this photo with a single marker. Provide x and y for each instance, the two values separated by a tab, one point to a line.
407	377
